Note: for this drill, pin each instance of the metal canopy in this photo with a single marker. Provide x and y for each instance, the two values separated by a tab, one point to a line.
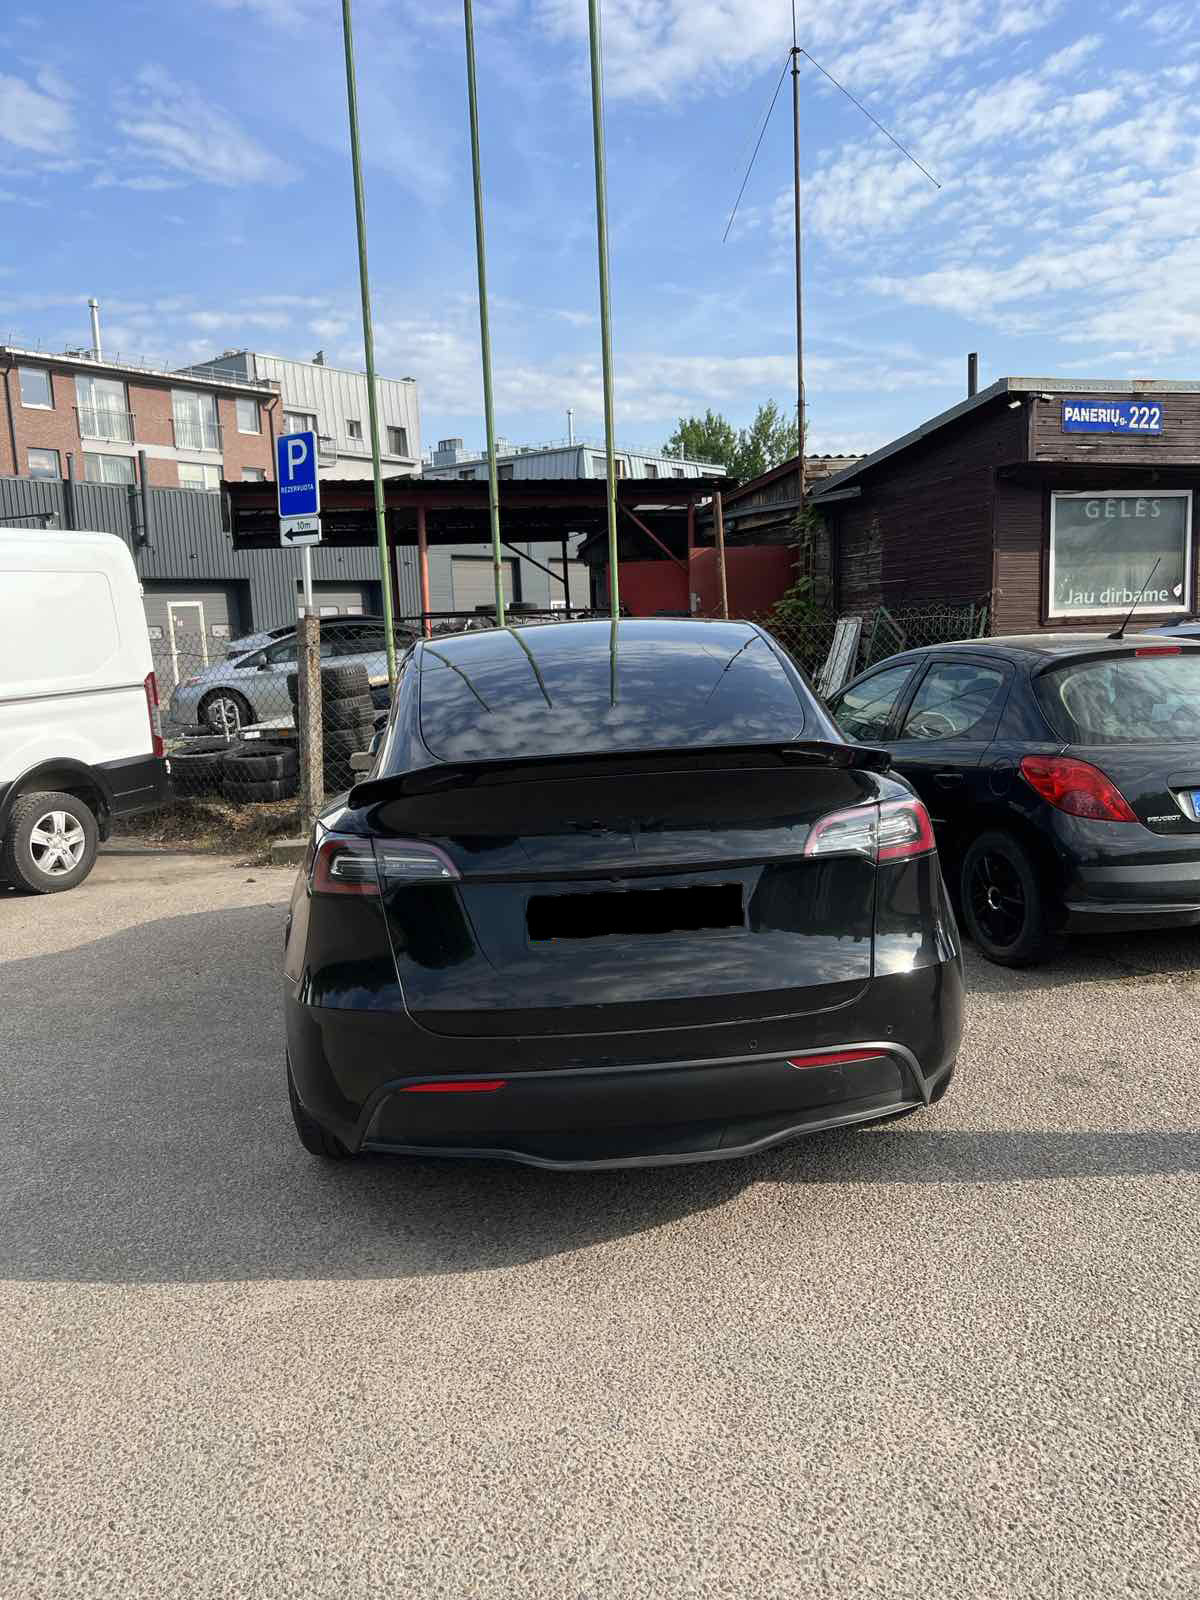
457	512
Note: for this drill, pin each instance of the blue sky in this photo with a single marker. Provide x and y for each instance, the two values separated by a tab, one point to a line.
187	164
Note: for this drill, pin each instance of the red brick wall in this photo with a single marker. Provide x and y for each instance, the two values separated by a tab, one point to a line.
150	404
245	449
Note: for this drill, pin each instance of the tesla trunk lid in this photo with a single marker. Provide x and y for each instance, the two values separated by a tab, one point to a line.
643	900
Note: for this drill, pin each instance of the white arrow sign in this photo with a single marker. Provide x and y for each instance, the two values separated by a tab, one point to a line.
299	530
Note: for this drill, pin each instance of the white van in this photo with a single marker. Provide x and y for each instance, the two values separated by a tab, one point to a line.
80	733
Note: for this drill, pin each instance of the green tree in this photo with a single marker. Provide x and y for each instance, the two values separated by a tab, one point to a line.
769	439
743	452
708	438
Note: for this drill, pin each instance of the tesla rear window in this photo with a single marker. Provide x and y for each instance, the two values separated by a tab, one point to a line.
1124	700
585	688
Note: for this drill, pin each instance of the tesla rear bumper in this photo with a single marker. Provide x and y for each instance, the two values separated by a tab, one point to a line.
357	1074
644	1116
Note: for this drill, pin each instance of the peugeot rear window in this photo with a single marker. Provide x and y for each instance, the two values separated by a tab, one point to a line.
1133	699
586	688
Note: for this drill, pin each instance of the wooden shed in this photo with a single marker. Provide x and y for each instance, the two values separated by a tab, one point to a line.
1053	500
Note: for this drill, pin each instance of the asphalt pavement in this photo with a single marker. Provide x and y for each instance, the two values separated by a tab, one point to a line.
951	1357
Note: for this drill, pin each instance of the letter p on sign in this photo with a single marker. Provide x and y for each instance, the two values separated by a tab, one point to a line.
296	474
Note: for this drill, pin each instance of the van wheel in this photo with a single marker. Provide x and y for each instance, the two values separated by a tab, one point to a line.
1002	902
225	711
50	844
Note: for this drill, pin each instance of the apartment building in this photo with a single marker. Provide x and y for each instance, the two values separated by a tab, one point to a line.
571	458
332	402
77	412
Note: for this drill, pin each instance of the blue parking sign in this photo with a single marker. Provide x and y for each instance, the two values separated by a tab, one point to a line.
296	475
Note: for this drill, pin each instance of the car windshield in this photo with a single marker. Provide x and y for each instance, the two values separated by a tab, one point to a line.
589	687
1133	699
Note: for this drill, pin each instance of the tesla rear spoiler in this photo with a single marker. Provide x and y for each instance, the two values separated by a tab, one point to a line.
454	775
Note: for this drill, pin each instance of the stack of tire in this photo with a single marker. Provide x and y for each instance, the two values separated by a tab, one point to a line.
196	767
254	771
347	719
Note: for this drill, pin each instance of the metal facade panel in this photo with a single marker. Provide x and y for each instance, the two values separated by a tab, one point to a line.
23	500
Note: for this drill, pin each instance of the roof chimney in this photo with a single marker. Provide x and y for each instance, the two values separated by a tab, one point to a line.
94	308
973	373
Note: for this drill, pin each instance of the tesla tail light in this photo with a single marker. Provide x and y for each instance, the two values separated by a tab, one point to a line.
1076	787
152	708
363	866
893	831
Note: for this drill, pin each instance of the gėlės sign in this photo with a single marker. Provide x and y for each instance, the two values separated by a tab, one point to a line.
1103	548
1111	416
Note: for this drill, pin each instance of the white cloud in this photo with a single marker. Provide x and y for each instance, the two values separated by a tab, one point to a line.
172	125
147	183
37	120
658	49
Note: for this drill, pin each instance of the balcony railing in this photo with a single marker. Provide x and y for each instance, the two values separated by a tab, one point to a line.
101	422
194	434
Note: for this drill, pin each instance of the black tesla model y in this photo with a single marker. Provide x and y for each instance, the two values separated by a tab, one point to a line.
615	894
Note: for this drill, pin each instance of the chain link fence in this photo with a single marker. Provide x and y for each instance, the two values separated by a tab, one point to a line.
809	638
229	708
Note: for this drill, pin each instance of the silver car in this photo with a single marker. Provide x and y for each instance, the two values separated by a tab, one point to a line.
250	684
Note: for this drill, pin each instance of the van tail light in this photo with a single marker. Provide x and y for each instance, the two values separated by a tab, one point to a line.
897	830
1076	787
344	865
155	714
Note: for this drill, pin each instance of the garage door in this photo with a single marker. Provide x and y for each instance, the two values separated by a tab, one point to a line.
190	627
473	582
344	599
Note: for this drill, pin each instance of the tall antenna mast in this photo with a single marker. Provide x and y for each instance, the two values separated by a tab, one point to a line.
793	60
795	57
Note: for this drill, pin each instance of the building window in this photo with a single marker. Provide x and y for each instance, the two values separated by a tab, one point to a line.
600	466
98	468
247	417
1103	548
44	464
469	473
194	475
102	405
194	415
397	439
36	390
354	428
505	471
254	474
299	422
677	472
651	470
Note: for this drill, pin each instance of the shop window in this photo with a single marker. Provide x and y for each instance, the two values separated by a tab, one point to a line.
1104	548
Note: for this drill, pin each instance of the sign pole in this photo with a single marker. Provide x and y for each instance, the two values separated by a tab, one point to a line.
306	568
605	316
360	217
485	337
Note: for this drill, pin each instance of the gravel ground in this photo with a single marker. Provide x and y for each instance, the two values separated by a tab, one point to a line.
953	1357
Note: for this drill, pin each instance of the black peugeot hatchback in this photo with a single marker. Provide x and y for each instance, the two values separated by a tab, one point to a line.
1062	773
615	894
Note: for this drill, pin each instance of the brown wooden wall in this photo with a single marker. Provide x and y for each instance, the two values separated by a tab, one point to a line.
922	532
1178	444
1023	533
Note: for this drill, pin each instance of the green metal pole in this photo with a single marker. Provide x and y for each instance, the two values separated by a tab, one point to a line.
485	337
360	217
605	314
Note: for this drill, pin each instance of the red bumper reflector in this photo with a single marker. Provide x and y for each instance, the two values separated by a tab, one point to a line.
476	1086
835	1058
